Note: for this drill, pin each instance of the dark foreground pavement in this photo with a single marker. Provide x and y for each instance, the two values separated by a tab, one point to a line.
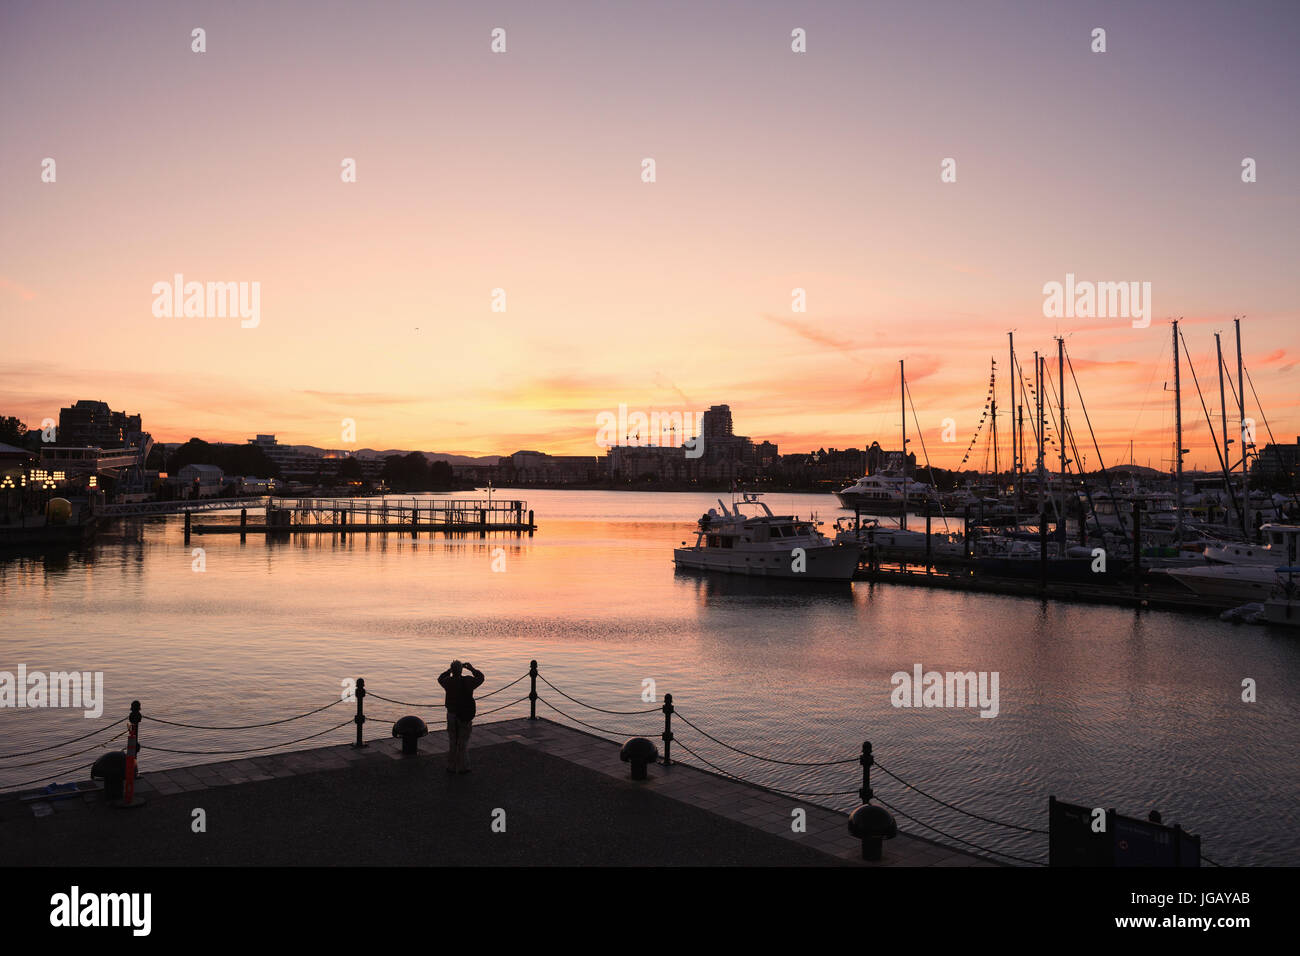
563	795
405	813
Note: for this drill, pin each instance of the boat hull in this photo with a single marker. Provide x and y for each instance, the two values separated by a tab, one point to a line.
835	563
880	506
1237	583
1281	611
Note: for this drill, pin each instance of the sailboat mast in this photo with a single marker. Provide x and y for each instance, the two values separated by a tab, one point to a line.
902	390
1041	430
1223	421
1015	453
1178	442
1060	423
1241	414
993	413
1020	452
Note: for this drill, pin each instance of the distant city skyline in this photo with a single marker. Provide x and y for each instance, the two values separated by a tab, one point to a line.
776	171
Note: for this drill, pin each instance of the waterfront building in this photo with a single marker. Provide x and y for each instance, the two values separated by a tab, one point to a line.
294	465
535	467
200	481
1276	462
92	439
880	460
88	422
647	463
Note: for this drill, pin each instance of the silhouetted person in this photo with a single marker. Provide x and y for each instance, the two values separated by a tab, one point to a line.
460	712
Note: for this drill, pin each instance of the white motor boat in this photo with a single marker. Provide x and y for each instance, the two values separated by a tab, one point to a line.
886	493
1283	607
1237	582
1280	545
764	544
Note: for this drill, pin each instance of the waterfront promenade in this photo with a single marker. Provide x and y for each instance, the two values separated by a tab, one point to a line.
564	796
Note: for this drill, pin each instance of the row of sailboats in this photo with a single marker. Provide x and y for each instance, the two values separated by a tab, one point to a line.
1218	542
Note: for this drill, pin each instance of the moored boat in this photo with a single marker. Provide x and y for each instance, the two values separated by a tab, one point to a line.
766	545
888	494
1235	582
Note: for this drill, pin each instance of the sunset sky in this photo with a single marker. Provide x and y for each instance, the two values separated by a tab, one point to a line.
522	171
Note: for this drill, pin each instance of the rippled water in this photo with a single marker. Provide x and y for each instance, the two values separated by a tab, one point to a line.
1099	706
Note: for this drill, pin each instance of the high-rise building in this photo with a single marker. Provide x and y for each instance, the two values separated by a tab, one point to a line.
717	422
94	423
1276	461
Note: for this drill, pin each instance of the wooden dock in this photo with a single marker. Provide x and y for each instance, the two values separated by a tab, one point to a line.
343	516
960	576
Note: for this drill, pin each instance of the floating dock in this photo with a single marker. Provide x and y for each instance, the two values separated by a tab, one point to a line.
957	574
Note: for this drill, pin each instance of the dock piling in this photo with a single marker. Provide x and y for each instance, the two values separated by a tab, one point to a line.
1137	547
1042	550
927	541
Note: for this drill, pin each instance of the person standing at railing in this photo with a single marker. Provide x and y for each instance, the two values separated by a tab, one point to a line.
460	712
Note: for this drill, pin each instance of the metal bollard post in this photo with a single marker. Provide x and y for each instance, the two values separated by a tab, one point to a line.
532	694
866	760
132	751
668	730
360	718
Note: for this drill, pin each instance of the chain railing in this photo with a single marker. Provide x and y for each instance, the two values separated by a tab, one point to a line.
667	735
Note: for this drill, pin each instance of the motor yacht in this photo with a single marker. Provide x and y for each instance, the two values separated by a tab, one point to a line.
764	544
887	493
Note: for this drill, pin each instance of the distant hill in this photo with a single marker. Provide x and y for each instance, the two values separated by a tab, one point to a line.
430	455
370	453
1142	471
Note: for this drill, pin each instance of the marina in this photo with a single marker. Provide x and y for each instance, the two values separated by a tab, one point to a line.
785	668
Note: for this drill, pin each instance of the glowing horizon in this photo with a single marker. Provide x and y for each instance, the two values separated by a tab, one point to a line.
522	171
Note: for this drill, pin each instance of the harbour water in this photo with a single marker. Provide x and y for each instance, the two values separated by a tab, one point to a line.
1099	706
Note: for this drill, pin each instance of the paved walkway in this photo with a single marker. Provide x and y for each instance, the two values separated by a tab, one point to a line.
565	796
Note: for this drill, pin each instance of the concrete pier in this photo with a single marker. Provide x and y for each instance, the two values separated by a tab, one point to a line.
564	796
